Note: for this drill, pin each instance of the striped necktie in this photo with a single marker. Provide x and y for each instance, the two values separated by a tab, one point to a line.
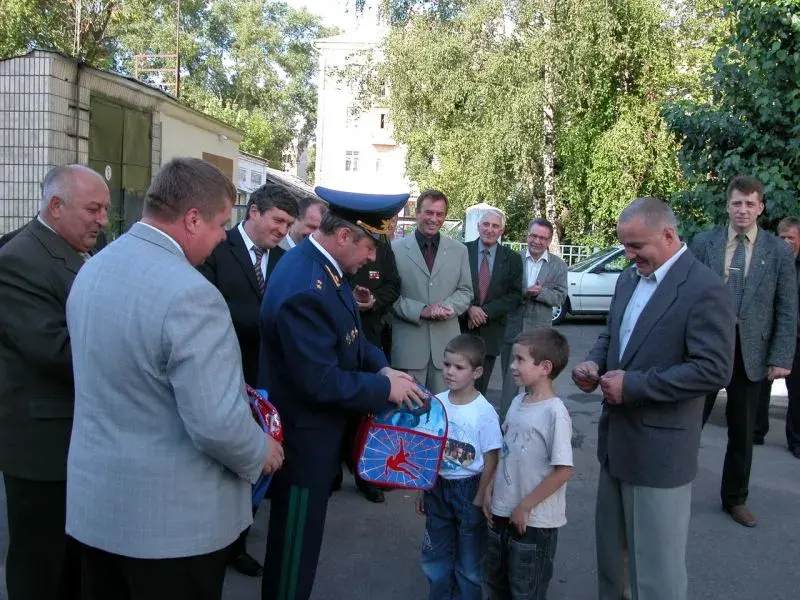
259	252
736	273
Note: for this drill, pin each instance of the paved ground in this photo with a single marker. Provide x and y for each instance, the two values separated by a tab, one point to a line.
371	551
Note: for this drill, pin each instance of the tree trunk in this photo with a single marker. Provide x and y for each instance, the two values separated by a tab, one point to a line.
549	139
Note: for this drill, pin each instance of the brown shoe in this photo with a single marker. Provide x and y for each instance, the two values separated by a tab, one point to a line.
742	515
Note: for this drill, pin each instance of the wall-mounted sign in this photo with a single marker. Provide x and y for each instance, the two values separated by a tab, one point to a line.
108	172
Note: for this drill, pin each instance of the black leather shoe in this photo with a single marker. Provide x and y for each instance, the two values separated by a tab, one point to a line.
758	441
370	492
795	452
246	565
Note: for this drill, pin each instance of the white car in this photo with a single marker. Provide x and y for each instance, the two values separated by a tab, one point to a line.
590	284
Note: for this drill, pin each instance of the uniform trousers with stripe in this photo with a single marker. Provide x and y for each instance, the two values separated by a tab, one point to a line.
296	526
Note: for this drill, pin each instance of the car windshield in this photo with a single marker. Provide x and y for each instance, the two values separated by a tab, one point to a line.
585	264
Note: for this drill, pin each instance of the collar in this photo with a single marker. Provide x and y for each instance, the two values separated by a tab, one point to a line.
166	235
750	234
661	272
545	256
326	254
248	243
424	239
491	249
46	224
290	241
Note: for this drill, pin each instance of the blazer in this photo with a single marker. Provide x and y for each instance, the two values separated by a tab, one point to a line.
381	278
102	239
37	268
538	312
680	350
415	341
231	271
768	316
317	365
164	447
504	295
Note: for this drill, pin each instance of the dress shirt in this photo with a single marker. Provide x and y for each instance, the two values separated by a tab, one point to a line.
730	248
491	255
327	255
533	266
424	240
290	241
248	243
645	289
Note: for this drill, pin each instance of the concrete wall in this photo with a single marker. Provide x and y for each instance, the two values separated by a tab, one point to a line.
180	138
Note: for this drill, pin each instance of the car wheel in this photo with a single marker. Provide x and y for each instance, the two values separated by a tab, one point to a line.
560	313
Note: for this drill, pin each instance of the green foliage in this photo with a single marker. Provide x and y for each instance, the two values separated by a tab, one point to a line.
249	63
751	124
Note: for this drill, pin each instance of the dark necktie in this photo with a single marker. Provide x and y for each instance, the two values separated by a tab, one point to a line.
484	276
736	274
430	255
262	284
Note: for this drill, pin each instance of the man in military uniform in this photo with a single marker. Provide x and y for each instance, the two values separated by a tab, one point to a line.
320	370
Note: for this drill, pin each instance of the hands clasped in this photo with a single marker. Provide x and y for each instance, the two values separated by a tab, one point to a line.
587	377
437	312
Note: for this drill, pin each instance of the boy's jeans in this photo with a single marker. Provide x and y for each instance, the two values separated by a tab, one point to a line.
454	540
518	566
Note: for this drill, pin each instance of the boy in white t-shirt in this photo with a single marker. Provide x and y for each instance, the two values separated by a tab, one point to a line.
527	503
454	524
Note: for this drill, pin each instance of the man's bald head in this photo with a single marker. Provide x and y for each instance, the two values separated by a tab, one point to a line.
654	212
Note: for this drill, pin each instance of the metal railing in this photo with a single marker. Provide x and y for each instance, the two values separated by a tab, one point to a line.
569	253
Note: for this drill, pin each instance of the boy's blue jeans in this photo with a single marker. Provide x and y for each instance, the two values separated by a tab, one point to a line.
518	567
454	540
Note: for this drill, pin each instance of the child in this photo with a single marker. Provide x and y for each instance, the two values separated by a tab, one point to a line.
454	523
527	503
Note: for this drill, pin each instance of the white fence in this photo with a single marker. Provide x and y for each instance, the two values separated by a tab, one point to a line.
569	253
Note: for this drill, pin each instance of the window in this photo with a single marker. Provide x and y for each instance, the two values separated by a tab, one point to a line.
351	118
384	120
255	177
382	90
242	174
351	160
377	165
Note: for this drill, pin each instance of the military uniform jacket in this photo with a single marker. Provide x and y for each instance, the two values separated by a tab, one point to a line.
316	364
382	279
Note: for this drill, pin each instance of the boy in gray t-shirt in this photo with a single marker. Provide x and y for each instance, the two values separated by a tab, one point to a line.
527	503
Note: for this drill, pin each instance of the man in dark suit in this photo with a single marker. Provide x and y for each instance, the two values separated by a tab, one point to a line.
320	369
376	286
759	271
240	267
37	268
497	282
668	341
789	232
7	237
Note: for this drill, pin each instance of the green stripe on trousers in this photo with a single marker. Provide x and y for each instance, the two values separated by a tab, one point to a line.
293	542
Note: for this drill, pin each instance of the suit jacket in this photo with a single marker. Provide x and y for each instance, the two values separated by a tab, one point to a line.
317	364
231	271
164	447
415	341
680	350
382	279
504	295
37	268
102	240
538	312
768	322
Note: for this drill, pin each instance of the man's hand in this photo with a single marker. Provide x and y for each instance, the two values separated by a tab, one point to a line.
419	503
534	290
520	517
611	384
437	312
274	458
487	503
364	298
445	312
477	317
403	389
586	376
774	373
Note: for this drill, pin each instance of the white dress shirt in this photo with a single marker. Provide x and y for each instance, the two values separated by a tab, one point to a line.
248	243
533	266
645	289
327	255
290	241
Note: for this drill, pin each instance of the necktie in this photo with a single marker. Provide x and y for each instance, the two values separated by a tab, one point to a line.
85	256
483	278
736	274
430	255
262	284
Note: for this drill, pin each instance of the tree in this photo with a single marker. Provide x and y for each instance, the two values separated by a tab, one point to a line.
751	124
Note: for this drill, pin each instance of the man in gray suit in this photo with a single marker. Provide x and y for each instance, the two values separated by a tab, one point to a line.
669	341
164	447
435	288
544	285
37	268
759	270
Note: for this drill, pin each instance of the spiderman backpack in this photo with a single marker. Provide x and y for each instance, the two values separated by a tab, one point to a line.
403	448
267	417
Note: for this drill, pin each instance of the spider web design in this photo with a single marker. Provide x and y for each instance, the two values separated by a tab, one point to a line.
383	444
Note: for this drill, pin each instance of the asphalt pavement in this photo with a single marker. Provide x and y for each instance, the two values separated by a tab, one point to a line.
372	551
